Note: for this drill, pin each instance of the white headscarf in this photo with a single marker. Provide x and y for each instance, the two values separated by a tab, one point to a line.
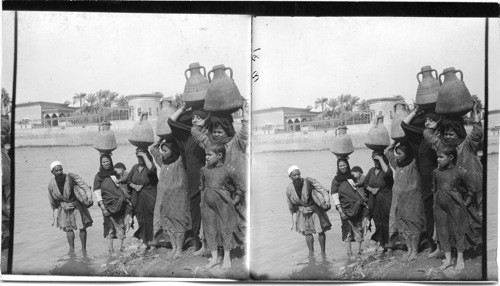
54	164
292	168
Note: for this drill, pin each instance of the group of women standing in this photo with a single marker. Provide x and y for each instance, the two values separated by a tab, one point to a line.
424	191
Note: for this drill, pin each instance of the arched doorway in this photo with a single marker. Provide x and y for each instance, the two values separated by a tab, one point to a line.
297	124
47	120
54	120
289	125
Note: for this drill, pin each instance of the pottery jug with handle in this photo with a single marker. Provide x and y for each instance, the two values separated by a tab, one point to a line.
378	136
223	95
428	88
105	141
401	111
342	143
162	128
454	98
142	134
196	86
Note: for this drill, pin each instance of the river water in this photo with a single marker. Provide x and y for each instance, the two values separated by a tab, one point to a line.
276	251
280	253
40	248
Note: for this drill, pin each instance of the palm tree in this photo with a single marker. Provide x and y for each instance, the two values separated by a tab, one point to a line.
79	97
106	97
363	105
333	106
351	101
121	101
93	103
321	102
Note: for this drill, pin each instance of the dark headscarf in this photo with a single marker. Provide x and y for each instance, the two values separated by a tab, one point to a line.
175	153
103	173
226	123
408	155
343	176
139	149
457	124
201	113
381	154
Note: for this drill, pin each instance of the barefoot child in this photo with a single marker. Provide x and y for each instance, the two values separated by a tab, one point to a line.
218	209
456	225
359	184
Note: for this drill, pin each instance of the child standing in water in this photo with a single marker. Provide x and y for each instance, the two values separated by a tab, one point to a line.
456	225
218	212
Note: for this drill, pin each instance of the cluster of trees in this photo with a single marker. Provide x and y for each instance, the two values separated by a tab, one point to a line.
98	102
335	107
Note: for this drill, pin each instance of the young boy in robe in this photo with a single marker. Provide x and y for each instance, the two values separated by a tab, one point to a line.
218	208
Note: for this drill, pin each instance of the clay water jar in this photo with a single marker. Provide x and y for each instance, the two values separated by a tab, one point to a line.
223	95
162	128
105	141
428	88
401	111
196	86
454	98
142	134
378	136
342	143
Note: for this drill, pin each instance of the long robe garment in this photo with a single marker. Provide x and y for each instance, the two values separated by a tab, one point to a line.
351	202
193	158
218	213
71	213
144	201
310	217
115	202
467	158
426	160
380	203
236	158
456	225
172	202
407	202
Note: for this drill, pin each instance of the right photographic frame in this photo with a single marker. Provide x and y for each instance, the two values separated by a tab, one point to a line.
374	148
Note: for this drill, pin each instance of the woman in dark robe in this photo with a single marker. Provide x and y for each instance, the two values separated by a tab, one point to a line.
407	203
114	200
143	181
379	183
350	204
426	160
193	159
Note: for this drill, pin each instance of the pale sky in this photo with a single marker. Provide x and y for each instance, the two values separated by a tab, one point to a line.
63	53
302	59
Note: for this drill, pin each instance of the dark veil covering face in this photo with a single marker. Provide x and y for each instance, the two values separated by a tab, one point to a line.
408	154
381	154
175	152
103	173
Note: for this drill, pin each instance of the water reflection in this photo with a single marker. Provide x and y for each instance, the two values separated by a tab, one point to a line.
74	265
319	268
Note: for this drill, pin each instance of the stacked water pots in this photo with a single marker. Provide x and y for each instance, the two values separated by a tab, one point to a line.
105	141
378	136
342	143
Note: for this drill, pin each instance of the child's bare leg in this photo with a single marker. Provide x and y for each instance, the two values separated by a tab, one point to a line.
110	244
212	260
349	249
174	245
460	261
415	241
227	259
322	241
71	239
83	238
121	244
446	261
359	247
436	252
310	243
179	239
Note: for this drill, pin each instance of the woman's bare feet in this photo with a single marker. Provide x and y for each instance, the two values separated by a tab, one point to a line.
460	266
413	255
446	263
177	254
226	264
200	251
212	262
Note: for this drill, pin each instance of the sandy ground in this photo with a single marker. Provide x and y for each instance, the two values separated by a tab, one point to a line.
155	263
